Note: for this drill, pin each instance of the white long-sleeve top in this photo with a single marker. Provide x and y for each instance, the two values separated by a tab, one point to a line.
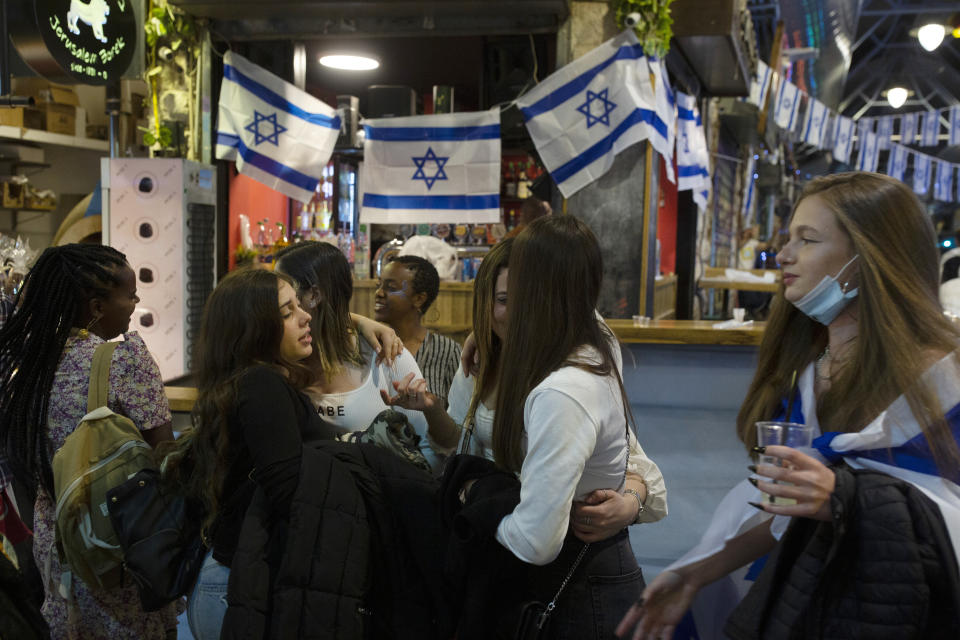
576	442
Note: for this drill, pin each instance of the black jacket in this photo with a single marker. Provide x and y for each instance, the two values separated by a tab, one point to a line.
356	558
884	568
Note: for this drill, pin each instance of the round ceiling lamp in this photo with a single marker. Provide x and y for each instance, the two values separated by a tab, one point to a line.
931	35
349	62
896	96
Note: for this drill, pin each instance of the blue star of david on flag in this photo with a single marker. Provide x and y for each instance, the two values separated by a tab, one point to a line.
422	160
587	108
271	120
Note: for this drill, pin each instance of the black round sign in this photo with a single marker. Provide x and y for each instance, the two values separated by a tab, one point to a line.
91	42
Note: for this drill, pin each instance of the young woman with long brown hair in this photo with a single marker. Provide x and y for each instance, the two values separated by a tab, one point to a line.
859	319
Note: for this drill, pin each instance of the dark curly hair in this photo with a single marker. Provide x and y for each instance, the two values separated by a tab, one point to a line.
425	278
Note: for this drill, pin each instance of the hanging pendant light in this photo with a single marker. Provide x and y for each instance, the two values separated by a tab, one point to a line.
896	96
931	35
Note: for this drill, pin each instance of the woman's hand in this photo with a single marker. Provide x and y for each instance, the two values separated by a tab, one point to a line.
660	609
411	394
381	337
602	514
812	484
470	357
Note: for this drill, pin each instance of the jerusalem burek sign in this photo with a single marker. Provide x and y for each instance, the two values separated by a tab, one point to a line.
91	42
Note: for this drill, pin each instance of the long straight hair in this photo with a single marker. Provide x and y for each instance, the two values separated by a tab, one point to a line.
556	270
489	344
241	328
51	302
323	267
899	318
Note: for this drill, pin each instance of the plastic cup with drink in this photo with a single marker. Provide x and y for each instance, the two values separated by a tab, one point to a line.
787	434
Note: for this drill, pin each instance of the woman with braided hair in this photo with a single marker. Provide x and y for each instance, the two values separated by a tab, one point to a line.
75	298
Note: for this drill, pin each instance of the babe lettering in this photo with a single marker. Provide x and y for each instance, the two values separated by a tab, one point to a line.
331	412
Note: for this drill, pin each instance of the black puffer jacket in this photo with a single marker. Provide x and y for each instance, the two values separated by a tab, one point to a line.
356	558
883	569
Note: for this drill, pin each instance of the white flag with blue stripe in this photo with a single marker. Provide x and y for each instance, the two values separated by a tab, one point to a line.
955	125
864	125
276	133
943	185
843	139
897	161
663	131
884	131
921	174
931	128
760	84
814	122
788	104
749	191
908	128
693	170
587	112
868	154
432	169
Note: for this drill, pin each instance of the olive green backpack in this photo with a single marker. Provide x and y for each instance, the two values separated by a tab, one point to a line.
102	452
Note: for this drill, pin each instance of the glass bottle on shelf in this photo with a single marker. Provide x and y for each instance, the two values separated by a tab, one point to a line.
523	187
281	240
511	184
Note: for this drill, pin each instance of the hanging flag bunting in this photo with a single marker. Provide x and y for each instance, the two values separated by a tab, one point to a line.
435	168
897	162
749	191
864	126
921	174
943	184
884	131
788	102
868	153
276	133
955	125
760	84
814	122
663	131
931	128
908	128
843	140
693	158
587	112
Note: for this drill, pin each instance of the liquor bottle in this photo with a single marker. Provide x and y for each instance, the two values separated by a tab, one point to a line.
281	240
511	184
523	187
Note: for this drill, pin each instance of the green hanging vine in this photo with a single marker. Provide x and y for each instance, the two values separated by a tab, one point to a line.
655	26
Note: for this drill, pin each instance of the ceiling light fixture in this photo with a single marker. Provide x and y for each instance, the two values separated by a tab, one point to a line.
349	62
896	96
931	35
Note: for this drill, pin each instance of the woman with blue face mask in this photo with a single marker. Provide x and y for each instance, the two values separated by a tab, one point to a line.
857	347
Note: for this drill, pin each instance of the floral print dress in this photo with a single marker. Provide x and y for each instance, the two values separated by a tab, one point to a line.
136	391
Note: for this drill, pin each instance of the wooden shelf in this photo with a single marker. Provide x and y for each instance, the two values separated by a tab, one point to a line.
686	332
55	139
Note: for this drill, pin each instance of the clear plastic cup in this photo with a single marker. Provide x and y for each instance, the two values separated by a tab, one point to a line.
788	434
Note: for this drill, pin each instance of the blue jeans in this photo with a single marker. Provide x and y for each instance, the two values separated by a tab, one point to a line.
208	600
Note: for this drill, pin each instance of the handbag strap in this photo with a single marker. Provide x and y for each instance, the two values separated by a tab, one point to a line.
100	376
563	585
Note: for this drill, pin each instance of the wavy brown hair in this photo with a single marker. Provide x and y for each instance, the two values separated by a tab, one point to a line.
242	327
556	270
323	268
900	323
489	344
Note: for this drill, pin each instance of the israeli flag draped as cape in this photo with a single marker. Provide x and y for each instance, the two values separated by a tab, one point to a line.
429	169
892	443
586	113
276	133
693	158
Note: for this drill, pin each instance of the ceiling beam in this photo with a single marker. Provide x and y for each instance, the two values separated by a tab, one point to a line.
903	10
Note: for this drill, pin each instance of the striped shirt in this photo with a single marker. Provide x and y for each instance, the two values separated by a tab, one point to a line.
438	358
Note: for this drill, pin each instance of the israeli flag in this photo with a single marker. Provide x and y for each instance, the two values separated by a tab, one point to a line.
663	131
921	174
749	191
276	133
931	128
788	102
943	185
908	128
884	131
815	122
760	84
955	125
864	126
843	140
692	155
432	169
897	161
868	154
587	112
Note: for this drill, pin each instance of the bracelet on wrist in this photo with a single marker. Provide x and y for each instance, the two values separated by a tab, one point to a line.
636	494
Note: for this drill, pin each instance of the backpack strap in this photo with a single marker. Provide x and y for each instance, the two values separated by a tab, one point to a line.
100	376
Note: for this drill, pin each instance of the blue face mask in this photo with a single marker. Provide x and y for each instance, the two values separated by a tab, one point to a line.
825	301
